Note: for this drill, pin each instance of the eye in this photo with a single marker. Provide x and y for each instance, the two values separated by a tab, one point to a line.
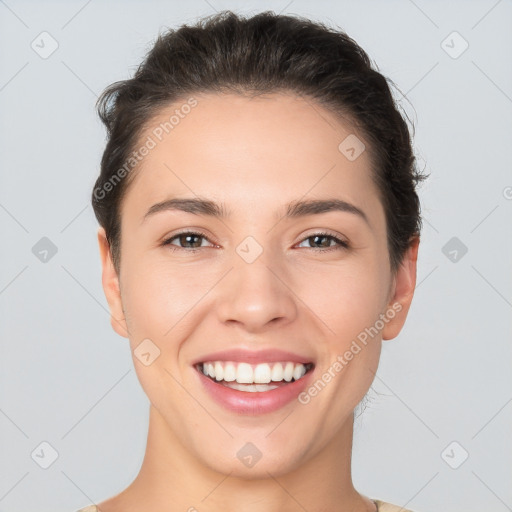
186	238
191	241
324	240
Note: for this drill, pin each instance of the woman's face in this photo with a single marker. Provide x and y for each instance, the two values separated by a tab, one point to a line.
265	283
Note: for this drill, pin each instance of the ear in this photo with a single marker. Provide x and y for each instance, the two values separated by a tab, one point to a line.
110	282
402	291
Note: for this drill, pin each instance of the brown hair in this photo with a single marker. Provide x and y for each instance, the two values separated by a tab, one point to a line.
262	54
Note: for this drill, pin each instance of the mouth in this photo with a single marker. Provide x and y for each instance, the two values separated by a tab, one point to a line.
248	388
250	378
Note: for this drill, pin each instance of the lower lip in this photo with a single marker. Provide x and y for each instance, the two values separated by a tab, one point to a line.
244	402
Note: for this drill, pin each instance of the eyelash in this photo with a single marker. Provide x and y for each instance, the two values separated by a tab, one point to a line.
172	247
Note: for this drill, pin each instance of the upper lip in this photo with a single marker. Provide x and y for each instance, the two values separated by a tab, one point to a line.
270	355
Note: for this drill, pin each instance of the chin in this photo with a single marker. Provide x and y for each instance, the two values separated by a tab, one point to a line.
277	464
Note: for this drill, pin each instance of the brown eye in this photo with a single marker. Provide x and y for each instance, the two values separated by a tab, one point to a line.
188	240
324	241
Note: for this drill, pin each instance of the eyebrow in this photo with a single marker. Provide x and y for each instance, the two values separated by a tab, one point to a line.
294	209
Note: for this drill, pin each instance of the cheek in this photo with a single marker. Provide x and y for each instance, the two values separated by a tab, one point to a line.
346	299
157	296
159	301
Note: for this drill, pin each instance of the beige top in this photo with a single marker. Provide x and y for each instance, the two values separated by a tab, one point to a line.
382	506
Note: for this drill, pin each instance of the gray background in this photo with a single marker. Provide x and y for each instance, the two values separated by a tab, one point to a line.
67	378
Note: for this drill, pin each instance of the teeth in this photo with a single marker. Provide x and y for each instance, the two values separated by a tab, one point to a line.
260	374
277	372
219	371
288	372
244	374
298	372
229	372
251	388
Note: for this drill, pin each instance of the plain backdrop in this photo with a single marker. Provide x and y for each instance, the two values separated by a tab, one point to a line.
435	435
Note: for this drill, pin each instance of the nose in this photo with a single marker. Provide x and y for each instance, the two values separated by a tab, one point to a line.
256	295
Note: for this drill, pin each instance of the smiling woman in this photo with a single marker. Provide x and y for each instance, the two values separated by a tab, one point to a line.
259	230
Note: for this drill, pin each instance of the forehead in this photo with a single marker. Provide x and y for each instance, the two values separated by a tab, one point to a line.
248	152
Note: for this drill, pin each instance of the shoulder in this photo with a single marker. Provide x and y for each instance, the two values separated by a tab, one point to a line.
90	508
389	507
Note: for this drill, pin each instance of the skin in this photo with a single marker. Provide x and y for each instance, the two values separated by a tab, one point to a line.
254	155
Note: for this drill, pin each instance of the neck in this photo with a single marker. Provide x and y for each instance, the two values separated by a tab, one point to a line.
171	475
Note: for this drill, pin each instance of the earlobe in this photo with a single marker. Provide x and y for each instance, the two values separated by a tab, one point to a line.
404	285
111	288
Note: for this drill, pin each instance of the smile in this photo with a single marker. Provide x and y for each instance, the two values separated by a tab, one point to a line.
251	378
256	387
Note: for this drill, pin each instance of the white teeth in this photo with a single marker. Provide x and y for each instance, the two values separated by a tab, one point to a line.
244	374
277	372
251	388
229	372
219	371
298	371
288	372
260	374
